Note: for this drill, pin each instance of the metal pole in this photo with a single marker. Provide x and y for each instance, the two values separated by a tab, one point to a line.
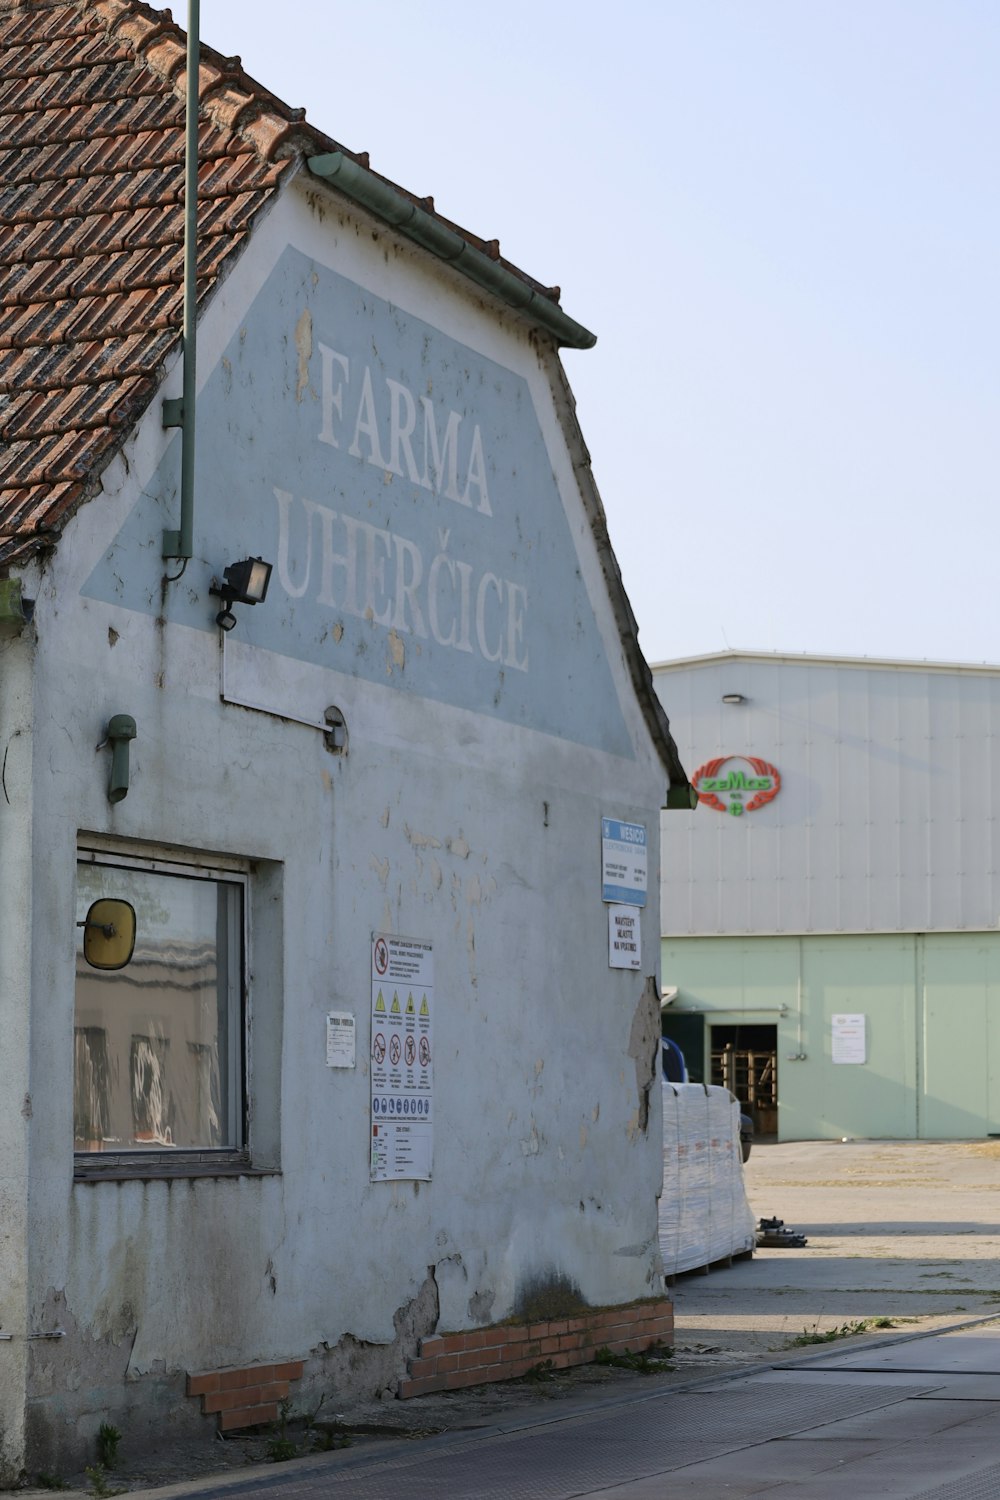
180	543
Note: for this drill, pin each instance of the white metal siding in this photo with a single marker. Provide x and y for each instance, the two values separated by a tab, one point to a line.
885	820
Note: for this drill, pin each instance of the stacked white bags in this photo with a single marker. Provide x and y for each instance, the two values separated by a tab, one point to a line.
704	1213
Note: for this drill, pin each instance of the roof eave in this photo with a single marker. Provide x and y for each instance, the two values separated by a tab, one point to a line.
379	197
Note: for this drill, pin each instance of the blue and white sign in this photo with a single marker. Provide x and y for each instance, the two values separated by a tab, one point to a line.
623	862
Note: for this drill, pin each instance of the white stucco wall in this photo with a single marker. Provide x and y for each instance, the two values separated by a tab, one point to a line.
474	830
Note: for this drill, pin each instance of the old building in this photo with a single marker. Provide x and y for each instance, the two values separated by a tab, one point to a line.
357	726
831	912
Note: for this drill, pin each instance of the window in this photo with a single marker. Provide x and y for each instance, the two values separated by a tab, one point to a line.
160	1044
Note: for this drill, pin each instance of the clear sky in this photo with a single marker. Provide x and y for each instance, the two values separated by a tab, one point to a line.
782	220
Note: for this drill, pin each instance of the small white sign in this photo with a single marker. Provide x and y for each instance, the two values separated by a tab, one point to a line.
849	1041
339	1039
624	937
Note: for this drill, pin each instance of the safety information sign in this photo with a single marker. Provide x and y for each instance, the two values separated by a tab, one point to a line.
623	862
402	1059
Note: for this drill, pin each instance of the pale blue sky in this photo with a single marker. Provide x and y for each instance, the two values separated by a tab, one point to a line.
781	218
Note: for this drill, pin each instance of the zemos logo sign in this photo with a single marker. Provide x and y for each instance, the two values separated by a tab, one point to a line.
725	784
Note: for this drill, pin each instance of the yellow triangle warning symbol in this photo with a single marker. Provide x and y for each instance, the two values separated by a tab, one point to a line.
410	1007
425	1009
380	1003
395	1005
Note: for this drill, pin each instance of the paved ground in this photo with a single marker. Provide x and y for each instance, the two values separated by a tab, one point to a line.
782	1382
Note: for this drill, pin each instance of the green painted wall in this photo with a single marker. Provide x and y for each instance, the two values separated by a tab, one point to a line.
932	1004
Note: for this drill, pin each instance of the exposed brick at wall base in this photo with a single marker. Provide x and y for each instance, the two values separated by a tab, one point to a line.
245	1397
504	1352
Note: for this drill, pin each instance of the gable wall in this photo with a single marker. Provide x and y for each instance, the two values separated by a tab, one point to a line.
461	816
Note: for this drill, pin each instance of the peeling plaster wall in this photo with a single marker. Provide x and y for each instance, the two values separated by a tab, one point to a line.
16	1107
467	826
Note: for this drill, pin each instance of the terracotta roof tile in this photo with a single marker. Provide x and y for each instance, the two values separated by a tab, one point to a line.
91	230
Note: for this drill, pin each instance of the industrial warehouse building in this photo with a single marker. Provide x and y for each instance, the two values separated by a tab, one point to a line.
830	912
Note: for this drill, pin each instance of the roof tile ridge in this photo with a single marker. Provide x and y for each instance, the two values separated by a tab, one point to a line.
232	100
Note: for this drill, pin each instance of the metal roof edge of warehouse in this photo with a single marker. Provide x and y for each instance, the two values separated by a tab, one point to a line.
810	659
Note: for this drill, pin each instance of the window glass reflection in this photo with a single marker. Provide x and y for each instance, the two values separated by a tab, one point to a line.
158	1044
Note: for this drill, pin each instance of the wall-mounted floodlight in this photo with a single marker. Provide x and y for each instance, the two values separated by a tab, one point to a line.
733	698
242	583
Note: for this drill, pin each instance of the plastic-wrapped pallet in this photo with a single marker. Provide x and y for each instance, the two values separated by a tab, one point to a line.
704	1213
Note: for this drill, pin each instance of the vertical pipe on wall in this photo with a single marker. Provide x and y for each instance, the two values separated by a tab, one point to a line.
180	543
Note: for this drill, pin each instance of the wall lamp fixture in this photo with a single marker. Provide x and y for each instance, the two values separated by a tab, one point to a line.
733	698
242	583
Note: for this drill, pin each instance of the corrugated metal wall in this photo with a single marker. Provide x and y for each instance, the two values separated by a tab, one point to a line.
932	1019
886	820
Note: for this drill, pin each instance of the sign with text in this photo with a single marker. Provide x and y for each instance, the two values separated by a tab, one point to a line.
402	1059
623	862
339	1039
624	937
401	484
736	783
849	1039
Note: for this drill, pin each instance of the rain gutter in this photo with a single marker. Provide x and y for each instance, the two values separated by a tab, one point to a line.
387	203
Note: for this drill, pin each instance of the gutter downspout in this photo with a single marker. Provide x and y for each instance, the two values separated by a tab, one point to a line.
182	413
380	198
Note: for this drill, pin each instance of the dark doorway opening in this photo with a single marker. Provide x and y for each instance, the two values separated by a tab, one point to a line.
745	1061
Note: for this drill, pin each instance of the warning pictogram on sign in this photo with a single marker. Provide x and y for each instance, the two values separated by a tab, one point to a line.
425	1009
395	1005
394	1049
425	1052
409	1051
410	1007
378	1047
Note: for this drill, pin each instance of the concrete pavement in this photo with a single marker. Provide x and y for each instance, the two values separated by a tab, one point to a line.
918	1418
907	1232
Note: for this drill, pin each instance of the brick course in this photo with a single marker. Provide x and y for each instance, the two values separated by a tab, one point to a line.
245	1395
452	1361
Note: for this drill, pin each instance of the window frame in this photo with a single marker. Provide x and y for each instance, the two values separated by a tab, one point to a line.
206	1161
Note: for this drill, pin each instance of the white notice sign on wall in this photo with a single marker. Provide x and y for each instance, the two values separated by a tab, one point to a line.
849	1039
624	937
402	1059
339	1039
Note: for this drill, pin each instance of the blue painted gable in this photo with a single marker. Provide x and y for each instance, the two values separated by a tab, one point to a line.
400	484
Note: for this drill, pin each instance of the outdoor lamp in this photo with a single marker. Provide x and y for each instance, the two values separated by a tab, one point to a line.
733	698
242	583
